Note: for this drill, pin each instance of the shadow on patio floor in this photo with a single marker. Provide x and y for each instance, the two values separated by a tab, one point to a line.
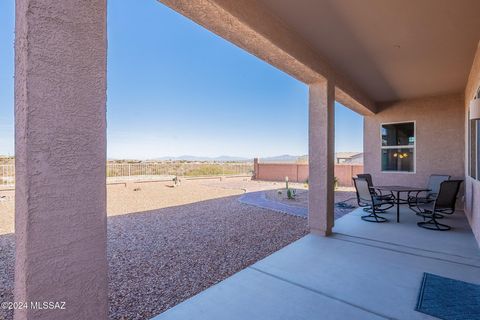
161	257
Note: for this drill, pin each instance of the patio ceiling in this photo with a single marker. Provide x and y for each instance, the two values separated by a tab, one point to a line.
392	49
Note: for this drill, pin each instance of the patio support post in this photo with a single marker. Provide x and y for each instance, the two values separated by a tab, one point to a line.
60	140
321	157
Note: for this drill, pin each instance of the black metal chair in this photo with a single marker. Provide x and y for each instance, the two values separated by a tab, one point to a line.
422	197
367	199
387	198
444	203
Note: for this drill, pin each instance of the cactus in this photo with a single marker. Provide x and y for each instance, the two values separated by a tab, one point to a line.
291	193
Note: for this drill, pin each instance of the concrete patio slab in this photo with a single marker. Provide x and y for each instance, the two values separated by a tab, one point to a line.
458	243
252	294
367	271
380	280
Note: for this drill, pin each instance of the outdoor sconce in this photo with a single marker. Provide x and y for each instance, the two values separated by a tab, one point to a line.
475	109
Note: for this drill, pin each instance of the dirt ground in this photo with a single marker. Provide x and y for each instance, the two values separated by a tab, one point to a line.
129	197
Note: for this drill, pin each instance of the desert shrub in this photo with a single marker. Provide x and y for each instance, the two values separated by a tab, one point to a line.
209	170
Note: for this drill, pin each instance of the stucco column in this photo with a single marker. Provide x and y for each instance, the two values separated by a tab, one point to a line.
321	157
60	137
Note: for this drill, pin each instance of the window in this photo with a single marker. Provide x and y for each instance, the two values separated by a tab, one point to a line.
472	150
398	147
474	146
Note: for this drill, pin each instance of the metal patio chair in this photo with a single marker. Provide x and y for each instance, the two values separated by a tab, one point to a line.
387	198
418	198
367	199
443	203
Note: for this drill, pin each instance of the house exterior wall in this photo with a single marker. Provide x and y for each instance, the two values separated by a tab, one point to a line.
440	136
357	159
472	187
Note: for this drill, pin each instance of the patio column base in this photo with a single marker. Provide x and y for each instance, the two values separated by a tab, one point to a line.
323	233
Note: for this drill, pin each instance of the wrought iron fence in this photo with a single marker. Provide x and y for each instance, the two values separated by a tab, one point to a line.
155	170
176	168
7	175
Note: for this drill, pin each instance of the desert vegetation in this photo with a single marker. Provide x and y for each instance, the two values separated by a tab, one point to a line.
172	168
4	160
178	168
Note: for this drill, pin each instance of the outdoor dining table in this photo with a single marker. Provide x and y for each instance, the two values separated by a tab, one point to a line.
396	191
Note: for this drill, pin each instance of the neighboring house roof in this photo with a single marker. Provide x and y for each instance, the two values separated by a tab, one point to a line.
349	157
346	155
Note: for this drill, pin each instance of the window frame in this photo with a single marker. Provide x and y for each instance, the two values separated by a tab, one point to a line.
474	159
409	146
478	148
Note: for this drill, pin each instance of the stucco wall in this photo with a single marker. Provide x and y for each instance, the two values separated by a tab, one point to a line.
278	171
440	135
472	187
299	172
345	172
60	157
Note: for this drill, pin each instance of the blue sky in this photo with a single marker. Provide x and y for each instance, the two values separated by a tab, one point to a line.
175	88
6	76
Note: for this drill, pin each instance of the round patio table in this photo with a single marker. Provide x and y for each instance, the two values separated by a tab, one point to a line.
398	190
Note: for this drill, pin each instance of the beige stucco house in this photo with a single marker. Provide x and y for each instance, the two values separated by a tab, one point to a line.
348	157
410	63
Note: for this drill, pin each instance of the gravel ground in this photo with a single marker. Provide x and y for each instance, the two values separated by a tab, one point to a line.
7	253
148	196
179	241
161	258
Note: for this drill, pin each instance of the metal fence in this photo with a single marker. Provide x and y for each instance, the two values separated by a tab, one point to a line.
7	175
192	169
155	170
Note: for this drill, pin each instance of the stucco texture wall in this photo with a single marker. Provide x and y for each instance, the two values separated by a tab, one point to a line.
472	187
60	150
296	172
440	134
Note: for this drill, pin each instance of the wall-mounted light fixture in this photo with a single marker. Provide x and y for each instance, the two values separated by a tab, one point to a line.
475	107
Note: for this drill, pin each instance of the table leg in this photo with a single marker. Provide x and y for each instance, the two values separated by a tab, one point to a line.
398	206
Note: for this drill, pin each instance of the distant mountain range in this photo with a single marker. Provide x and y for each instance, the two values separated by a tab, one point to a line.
284	158
281	158
200	158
